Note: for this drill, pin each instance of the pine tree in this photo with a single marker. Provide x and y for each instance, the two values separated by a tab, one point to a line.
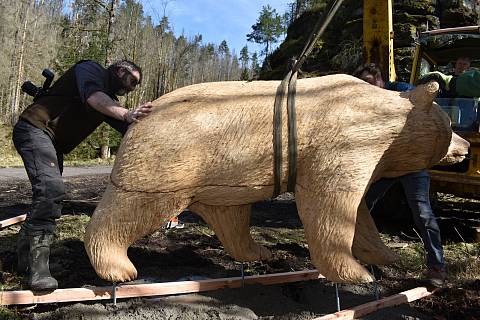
224	52
268	29
255	67
244	58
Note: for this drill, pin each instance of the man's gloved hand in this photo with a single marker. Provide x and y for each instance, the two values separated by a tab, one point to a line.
140	112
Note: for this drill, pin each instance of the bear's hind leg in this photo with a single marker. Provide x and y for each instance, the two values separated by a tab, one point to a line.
232	226
120	219
367	245
329	222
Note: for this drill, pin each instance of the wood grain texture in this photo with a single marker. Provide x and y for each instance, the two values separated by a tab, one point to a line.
11	221
370	307
209	146
152	289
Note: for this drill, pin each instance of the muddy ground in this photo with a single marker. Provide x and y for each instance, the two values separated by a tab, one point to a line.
195	253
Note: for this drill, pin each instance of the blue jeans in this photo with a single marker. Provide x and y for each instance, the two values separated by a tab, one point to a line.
44	166
416	186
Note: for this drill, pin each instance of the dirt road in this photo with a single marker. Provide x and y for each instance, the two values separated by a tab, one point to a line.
19	173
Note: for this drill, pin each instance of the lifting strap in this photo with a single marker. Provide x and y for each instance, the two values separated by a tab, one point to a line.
290	82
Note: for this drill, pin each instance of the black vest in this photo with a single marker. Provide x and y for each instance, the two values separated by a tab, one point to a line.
61	113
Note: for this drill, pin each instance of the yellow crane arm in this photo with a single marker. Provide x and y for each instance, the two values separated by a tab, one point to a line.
378	36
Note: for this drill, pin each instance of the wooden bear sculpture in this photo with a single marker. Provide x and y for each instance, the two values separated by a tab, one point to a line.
208	147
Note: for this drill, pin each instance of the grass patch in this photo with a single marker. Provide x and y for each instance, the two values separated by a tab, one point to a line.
10	281
7	314
462	262
71	227
8	160
269	237
412	258
8	239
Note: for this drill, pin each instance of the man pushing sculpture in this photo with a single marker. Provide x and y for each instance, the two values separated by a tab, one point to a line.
208	147
53	125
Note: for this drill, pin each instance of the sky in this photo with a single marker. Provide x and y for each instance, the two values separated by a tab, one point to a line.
215	20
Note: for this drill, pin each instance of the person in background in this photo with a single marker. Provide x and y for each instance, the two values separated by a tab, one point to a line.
371	73
416	186
462	64
465	85
53	125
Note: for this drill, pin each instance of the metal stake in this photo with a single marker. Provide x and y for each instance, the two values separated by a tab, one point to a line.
114	293
243	274
375	284
337	296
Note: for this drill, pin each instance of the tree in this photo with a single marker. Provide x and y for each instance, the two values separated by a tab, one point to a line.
85	34
15	97
298	7
39	34
244	58
234	71
91	35
110	31
224	52
255	67
295	9
268	29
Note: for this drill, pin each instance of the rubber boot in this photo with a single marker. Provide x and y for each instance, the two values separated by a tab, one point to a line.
23	252
39	277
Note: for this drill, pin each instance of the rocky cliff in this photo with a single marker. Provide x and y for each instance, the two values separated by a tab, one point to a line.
340	49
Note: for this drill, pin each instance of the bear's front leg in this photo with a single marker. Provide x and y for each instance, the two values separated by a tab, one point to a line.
329	220
121	218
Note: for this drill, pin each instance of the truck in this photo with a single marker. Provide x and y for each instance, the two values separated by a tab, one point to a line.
436	50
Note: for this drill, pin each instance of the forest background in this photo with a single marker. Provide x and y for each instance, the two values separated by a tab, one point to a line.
38	34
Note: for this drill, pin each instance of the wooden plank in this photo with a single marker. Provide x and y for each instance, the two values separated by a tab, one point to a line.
153	289
367	308
9	222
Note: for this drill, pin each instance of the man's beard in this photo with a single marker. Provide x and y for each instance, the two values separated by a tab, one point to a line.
118	84
121	92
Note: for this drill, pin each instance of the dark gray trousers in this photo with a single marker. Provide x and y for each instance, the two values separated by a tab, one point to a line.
417	191
44	166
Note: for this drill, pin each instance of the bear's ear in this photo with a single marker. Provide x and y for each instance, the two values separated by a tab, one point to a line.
423	95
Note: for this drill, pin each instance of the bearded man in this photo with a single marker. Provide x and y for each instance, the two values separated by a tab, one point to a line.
56	122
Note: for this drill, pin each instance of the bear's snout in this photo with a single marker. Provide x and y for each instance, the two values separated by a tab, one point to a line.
457	150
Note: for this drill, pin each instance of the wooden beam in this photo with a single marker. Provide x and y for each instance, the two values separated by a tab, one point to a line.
367	308
153	289
477	235
9	222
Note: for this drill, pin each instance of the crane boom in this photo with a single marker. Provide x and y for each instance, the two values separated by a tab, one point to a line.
378	36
